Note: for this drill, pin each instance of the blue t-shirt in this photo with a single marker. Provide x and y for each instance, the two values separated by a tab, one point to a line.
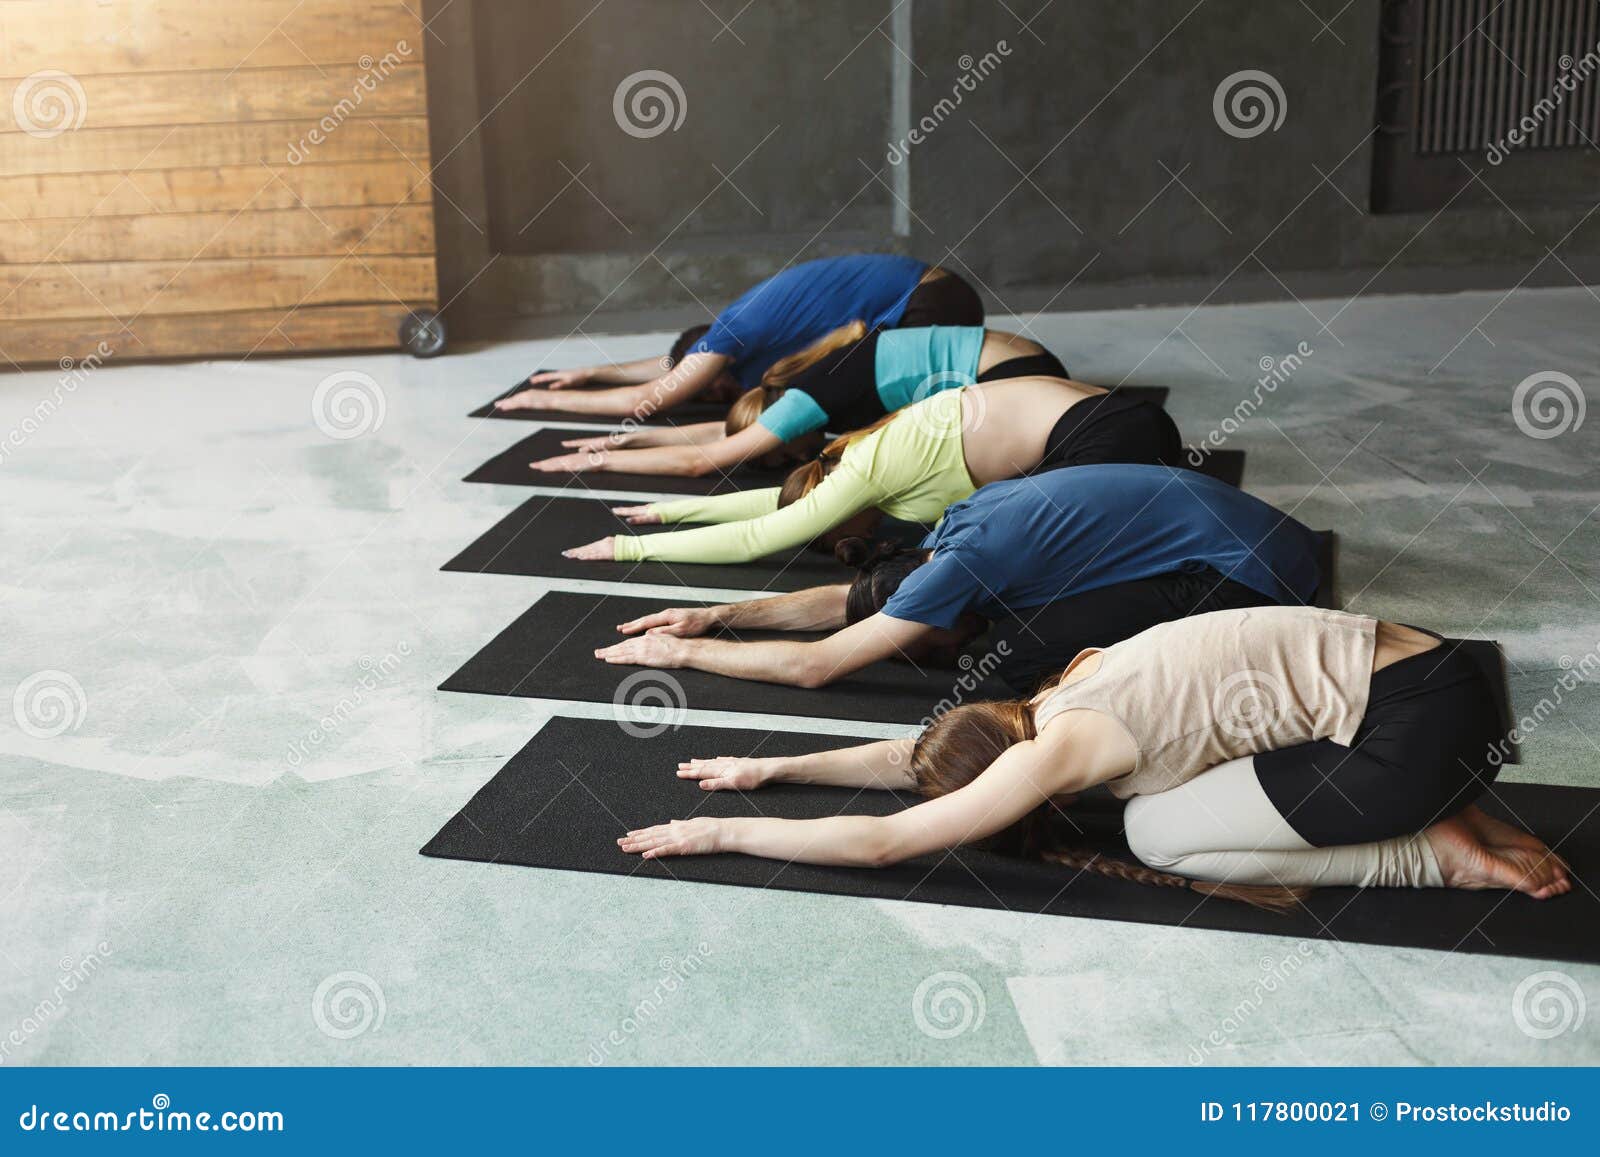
1026	542
793	308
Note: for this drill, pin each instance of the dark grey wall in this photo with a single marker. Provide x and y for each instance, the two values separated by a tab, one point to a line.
1086	166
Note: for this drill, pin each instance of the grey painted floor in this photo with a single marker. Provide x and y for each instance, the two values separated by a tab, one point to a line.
214	861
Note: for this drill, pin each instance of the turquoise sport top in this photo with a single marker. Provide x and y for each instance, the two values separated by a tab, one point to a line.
885	371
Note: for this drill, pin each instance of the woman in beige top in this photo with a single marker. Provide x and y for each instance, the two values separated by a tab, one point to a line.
1262	751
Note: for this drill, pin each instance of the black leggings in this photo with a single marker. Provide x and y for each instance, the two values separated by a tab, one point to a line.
1045	365
946	300
1421	754
1112	428
1040	641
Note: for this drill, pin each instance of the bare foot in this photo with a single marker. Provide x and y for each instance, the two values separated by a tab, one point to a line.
1466	861
1499	834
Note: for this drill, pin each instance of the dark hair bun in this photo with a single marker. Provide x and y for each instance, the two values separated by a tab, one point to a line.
863	553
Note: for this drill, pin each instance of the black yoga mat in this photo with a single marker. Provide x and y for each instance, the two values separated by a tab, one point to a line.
532	813
510	468
548	653
686	414
530	539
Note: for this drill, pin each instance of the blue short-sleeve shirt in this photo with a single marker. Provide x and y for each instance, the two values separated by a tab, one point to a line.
791	309
1030	541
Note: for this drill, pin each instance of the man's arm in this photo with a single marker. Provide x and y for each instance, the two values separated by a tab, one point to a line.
686	379
817	609
781	661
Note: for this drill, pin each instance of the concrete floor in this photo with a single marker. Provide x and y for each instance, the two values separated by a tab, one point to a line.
190	877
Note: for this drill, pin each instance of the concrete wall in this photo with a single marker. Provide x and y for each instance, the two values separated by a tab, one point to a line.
1071	158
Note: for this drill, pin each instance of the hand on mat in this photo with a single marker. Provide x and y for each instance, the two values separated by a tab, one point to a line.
636	515
645	651
696	837
571	463
603	551
728	772
529	400
559	379
685	622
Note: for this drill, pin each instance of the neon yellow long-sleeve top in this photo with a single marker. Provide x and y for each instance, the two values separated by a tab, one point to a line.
911	468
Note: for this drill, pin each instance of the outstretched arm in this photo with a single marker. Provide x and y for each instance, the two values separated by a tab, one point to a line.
1022	778
793	664
649	436
688	460
881	766
817	609
842	495
686	379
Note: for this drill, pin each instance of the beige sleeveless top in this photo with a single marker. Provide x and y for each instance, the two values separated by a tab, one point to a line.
1203	690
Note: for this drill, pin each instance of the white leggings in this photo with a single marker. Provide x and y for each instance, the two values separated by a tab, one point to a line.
1220	826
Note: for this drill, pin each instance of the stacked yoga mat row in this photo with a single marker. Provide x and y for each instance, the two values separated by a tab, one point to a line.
525	815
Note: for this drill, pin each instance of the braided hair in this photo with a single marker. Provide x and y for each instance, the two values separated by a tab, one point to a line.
958	746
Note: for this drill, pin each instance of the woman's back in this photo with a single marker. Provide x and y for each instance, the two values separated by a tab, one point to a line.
1006	424
1199	691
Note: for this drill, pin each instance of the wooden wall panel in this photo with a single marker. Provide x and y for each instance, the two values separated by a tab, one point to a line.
273	144
123	289
95	37
184	177
226	188
223	97
264	331
373	230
